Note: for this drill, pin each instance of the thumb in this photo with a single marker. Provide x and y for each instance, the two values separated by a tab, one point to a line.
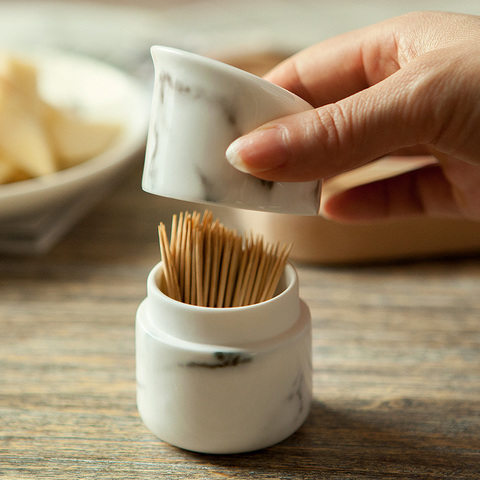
340	136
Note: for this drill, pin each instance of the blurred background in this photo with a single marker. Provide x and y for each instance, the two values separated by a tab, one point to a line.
121	32
251	34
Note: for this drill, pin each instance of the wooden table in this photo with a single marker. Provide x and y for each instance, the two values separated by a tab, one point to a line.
396	365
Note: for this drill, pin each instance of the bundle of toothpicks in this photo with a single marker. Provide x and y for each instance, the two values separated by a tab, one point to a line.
210	265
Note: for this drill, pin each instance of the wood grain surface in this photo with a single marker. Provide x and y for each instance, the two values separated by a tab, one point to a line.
396	365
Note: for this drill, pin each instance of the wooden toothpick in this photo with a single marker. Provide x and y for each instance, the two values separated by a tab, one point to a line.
207	264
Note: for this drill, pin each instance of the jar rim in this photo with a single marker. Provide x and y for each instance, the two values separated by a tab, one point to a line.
230	325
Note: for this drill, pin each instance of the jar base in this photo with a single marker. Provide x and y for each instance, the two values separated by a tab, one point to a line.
229	446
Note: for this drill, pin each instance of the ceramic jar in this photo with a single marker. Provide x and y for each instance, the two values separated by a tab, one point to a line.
223	380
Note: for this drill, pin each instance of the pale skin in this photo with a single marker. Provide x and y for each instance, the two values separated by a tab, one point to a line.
410	84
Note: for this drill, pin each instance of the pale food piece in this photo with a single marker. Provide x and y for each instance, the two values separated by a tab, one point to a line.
6	172
37	138
21	74
9	172
75	139
22	133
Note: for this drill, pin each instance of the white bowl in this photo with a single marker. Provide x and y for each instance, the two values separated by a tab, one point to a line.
101	92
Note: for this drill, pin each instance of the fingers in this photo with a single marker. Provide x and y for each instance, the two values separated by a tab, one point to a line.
341	136
408	82
393	85
343	65
416	105
449	188
421	192
339	67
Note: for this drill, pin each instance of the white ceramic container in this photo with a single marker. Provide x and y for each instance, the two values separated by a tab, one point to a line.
223	380
199	107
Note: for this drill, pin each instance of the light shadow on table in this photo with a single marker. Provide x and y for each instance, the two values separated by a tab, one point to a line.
334	444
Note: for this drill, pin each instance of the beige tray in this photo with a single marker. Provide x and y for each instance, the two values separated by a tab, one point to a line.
318	240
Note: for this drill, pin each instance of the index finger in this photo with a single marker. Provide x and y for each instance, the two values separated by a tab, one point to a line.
340	66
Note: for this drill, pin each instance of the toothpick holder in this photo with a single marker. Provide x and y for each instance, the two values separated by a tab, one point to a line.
223	380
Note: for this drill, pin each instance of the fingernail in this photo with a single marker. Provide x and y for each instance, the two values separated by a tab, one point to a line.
259	151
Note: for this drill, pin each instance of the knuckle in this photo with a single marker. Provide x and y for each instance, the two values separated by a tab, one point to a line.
330	126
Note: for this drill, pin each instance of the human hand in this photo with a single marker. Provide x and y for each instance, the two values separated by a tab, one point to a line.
411	81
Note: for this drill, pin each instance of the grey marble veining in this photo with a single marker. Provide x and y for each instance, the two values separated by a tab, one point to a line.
243	393
198	109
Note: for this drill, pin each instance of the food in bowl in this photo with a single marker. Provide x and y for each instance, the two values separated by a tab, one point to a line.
37	138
